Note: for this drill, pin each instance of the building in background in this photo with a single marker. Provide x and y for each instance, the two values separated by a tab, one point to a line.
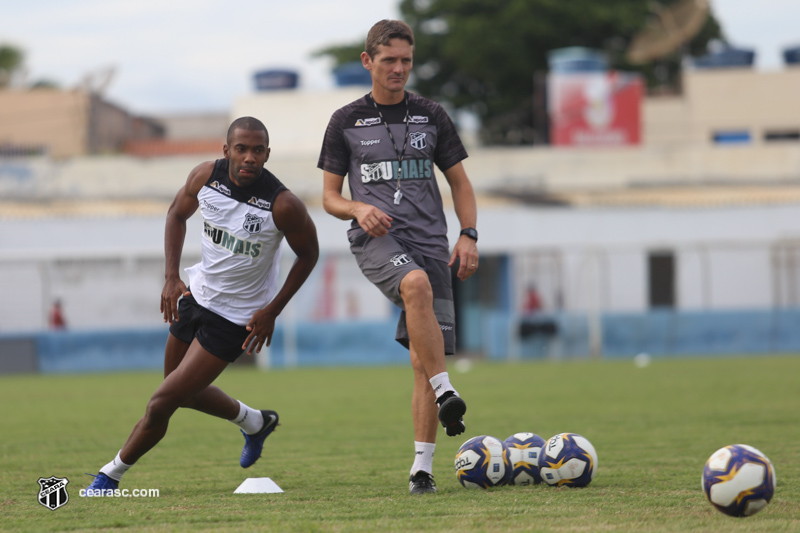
696	223
727	105
64	124
183	134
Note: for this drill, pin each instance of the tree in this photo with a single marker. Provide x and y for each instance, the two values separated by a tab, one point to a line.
11	59
482	56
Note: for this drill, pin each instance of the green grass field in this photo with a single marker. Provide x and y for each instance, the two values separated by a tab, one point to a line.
345	445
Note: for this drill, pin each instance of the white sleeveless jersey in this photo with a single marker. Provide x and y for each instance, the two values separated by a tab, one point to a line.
241	247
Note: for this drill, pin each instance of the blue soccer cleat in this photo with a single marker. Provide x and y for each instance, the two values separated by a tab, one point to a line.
253	444
101	484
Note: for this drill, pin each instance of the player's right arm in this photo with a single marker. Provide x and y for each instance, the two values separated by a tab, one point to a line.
182	208
371	219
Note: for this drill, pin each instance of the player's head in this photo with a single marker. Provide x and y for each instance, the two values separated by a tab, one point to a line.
247	123
388	57
384	31
247	149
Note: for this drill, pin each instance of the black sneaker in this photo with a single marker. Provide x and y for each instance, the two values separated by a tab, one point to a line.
421	483
451	411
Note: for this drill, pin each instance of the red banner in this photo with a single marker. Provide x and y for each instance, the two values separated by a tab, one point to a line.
595	108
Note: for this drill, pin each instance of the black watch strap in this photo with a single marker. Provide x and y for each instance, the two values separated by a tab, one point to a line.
472	233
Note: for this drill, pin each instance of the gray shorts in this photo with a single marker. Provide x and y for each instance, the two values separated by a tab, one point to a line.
385	262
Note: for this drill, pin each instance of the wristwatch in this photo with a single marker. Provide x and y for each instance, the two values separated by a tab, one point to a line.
472	233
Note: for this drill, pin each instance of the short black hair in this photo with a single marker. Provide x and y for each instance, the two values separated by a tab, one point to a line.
247	123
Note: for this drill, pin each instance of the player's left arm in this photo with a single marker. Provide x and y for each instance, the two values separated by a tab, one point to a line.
466	249
292	218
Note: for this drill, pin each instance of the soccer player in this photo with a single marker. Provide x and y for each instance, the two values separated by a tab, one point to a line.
388	142
233	297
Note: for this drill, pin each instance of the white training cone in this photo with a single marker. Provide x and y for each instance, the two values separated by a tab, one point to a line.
257	485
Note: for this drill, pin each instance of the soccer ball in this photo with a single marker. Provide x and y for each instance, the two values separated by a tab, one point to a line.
738	480
483	462
524	450
568	459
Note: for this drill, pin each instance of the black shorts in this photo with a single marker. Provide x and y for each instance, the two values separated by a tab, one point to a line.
385	262
216	334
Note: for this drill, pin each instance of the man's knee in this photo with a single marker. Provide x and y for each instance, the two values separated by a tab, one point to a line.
415	287
160	409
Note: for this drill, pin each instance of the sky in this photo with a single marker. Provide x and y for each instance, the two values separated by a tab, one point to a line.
161	57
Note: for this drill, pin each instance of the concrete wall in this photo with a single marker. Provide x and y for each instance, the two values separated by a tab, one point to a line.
55	118
724	99
372	342
109	271
195	126
296	119
520	169
568	170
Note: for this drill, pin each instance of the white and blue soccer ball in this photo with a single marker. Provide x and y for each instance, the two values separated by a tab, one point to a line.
568	459
483	462
738	480
524	450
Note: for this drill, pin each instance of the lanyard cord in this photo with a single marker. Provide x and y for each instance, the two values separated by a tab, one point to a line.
400	155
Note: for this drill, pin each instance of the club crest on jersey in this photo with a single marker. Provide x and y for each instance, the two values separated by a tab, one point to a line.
220	187
259	202
368	121
417	119
417	139
252	223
